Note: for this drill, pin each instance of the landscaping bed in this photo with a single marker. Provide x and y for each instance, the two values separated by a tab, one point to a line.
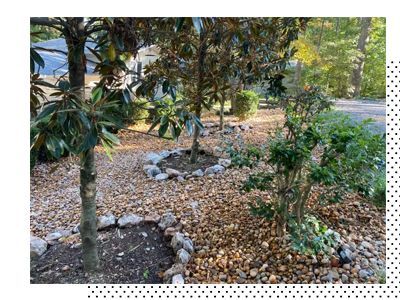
139	254
231	245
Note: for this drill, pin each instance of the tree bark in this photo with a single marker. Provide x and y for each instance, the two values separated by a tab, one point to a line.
360	60
199	98
297	74
221	111
88	226
75	38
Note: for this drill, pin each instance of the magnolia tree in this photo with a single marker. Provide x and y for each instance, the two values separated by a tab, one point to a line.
202	58
312	149
75	122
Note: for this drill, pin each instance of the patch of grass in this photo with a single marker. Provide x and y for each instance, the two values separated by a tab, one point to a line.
146	274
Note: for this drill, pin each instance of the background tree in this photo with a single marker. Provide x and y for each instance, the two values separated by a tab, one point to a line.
202	57
360	60
328	55
82	121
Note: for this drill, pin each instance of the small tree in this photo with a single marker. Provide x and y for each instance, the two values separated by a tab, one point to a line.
203	56
312	149
76	123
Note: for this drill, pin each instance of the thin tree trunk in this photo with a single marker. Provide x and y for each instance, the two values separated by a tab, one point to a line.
221	111
88	224
75	39
360	60
199	98
297	74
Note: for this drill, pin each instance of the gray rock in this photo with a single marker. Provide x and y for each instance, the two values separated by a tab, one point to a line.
209	171
152	171
161	177
367	245
153	158
333	275
218	169
223	277
217	151
53	237
172	172
178	279
179	241
194	205
106	221
182	256
210	125
364	274
165	153
177	152
167	220
347	267
143	234
241	274
225	162
345	278
129	220
174	270
237	129
180	178
38	246
198	173
244	127
76	228
214	170
205	132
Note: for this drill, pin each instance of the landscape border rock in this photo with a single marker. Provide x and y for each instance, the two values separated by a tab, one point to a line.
152	169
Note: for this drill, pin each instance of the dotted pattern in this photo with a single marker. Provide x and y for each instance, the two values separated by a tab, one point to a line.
262	291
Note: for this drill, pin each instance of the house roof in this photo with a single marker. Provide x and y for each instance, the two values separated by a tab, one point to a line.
56	60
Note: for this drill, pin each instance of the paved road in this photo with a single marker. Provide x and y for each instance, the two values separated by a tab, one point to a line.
363	109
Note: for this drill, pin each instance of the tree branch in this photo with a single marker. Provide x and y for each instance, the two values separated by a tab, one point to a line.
50	22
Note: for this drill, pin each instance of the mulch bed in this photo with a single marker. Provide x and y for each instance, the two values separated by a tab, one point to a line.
182	163
126	257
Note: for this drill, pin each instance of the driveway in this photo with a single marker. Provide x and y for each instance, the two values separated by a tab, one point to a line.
363	109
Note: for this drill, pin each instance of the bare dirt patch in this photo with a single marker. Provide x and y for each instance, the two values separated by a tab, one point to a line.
182	163
133	255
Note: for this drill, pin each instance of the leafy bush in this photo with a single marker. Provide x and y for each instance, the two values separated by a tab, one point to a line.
246	104
312	237
241	154
140	110
313	148
377	191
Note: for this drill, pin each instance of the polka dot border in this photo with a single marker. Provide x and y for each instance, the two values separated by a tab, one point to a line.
390	290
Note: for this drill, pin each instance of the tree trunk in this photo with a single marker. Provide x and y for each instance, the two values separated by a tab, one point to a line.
359	62
75	39
221	111
297	74
88	226
199	98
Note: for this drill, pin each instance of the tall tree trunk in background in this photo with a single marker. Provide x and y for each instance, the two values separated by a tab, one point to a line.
75	39
199	98
360	60
297	74
222	110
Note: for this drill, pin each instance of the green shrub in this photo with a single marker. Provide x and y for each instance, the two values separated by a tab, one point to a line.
313	149
378	189
246	104
140	110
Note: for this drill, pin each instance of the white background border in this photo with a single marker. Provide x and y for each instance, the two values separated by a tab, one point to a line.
15	146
